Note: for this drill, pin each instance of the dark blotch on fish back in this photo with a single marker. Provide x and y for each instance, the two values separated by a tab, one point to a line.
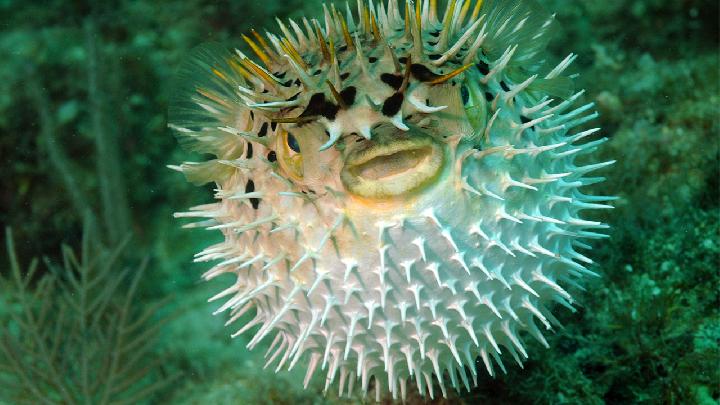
319	105
348	95
392	104
263	130
483	67
422	73
249	188
394	81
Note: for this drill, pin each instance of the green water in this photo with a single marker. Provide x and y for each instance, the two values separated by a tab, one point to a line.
84	91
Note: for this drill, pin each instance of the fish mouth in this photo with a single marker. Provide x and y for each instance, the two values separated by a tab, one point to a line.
391	169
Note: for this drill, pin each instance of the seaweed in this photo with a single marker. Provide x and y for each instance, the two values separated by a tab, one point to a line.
76	333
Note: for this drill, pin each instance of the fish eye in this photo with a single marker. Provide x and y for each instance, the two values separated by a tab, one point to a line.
465	94
289	156
293	143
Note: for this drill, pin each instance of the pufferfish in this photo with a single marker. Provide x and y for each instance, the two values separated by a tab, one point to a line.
397	188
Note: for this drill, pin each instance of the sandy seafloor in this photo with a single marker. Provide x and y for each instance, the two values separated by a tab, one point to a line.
84	89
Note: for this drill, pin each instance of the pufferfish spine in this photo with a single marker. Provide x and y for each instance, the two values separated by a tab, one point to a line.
397	188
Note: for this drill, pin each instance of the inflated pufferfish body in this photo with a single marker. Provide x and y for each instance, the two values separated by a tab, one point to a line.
396	188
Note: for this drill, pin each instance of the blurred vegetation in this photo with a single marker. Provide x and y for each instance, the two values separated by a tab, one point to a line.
83	94
74	334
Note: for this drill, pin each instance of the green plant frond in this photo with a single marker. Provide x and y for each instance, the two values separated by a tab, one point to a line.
79	336
31	271
114	254
140	339
146	315
99	304
148	390
14	264
64	274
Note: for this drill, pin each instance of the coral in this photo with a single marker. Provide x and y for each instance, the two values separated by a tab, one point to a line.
656	302
676	142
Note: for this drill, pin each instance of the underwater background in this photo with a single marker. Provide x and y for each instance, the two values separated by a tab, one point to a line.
100	301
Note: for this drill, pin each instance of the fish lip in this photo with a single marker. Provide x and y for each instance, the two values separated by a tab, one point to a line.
421	168
358	158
